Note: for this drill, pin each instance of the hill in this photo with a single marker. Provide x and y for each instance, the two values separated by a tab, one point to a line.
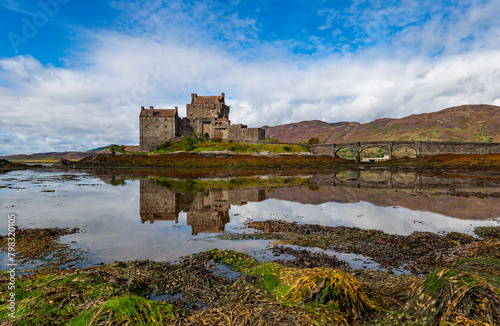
479	123
72	155
54	156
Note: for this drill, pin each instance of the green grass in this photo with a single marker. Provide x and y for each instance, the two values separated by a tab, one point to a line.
194	144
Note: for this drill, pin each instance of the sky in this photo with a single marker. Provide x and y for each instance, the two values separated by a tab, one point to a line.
74	73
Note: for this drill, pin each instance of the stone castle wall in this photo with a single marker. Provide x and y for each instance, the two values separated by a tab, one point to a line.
241	132
154	127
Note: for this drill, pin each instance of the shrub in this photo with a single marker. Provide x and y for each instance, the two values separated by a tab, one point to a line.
163	146
117	148
272	138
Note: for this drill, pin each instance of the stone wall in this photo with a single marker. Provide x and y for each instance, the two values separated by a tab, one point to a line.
241	132
429	148
156	127
207	107
422	148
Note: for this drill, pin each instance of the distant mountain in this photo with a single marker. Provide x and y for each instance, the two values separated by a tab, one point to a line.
71	155
50	156
461	123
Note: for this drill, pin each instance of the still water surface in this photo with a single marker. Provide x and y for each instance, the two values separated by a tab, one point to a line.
141	219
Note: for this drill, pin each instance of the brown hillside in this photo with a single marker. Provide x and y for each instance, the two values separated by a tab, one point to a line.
462	123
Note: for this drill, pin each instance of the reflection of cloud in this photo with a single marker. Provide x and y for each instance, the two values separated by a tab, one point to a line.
111	222
362	215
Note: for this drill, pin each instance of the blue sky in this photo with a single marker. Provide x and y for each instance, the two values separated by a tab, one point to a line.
74	73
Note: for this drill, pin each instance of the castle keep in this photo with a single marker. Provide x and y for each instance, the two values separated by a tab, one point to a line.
208	115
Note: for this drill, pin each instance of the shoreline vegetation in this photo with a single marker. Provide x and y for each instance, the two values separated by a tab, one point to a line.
216	156
454	280
195	153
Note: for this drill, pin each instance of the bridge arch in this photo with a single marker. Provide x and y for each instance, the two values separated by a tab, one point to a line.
382	145
344	148
373	152
401	146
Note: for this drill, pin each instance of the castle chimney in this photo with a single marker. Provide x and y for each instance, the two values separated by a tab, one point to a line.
193	96
151	107
142	108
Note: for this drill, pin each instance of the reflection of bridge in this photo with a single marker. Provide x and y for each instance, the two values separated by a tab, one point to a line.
370	179
388	179
422	148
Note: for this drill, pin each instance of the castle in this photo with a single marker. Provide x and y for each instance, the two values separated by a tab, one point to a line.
207	115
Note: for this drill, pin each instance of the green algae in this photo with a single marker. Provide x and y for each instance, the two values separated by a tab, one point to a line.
449	295
131	310
53	297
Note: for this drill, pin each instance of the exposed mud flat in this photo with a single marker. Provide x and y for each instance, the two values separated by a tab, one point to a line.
459	284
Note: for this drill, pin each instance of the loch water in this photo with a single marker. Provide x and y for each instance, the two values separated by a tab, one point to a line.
140	217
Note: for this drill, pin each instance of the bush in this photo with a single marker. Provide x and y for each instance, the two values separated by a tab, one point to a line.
273	139
189	143
163	146
117	148
313	140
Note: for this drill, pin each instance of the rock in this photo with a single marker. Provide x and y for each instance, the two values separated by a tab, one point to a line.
106	151
265	153
5	162
62	163
216	153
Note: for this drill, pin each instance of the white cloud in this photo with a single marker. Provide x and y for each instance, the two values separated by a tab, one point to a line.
45	108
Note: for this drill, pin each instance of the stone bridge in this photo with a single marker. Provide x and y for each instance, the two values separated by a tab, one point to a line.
422	148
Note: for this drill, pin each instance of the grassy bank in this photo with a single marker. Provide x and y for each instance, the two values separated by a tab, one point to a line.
216	162
198	144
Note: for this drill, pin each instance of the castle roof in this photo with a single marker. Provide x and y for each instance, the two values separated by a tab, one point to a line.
165	113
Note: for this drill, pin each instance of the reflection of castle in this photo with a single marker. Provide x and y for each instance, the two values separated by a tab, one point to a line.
206	213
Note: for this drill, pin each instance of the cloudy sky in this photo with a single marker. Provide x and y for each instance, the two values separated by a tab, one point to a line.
74	73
